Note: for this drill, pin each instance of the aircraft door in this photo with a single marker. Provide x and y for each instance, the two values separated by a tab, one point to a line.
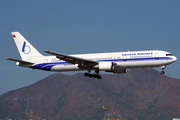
156	56
124	58
45	60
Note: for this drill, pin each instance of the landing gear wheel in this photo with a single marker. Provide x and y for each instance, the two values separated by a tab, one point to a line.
86	74
92	75
98	77
162	72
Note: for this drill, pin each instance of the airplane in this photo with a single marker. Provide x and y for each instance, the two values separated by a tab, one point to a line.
114	62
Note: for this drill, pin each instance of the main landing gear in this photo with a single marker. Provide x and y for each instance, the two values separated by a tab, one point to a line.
162	72
93	75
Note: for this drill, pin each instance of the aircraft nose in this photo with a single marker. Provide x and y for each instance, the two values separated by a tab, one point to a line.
174	58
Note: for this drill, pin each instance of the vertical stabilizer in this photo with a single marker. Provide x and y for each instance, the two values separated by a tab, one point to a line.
26	50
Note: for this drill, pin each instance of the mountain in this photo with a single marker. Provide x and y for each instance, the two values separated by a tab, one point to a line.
141	94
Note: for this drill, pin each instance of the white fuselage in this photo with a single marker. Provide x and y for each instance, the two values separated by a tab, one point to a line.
121	60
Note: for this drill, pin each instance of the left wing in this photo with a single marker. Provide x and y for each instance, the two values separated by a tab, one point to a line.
20	61
82	63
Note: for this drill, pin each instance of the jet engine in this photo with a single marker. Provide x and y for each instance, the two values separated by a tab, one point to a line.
105	66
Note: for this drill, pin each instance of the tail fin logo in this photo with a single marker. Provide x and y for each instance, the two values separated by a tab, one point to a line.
25	48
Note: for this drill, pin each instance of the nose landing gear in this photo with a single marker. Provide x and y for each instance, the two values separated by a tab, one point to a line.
162	72
163	67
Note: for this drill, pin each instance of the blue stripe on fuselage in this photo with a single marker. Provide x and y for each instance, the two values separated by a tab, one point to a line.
48	66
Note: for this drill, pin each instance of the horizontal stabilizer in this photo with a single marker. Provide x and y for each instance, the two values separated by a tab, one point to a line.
20	61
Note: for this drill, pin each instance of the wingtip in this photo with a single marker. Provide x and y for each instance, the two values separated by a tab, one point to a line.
6	58
47	51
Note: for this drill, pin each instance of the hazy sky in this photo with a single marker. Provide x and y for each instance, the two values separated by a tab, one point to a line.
86	26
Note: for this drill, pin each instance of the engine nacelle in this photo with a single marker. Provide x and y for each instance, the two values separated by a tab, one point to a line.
120	71
106	66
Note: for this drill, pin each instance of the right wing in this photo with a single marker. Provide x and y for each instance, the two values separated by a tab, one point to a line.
82	63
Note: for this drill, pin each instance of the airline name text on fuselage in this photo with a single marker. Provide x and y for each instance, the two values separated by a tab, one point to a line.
131	54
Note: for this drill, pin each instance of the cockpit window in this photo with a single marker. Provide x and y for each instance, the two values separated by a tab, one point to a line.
168	54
